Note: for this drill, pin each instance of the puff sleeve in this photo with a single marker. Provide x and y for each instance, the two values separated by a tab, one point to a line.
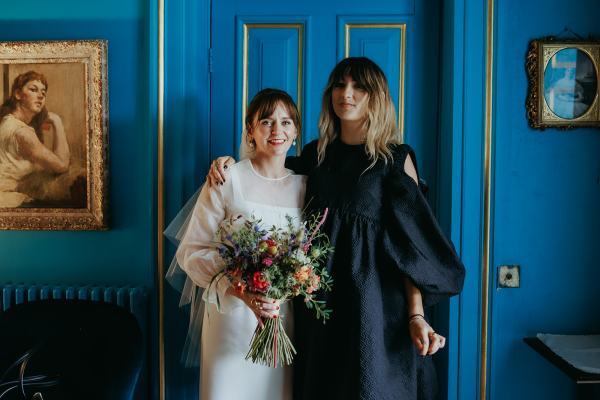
197	253
412	238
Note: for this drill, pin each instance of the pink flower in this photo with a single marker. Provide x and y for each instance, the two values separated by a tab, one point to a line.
315	282
267	262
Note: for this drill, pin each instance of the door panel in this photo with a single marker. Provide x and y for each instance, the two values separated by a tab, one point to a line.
262	43
384	43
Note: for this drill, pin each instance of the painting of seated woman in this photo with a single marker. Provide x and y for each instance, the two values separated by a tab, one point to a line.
52	139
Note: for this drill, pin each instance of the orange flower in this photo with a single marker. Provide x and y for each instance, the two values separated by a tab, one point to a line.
303	273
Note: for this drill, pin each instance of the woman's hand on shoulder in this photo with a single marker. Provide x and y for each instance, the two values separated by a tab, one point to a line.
54	118
53	123
261	306
218	174
425	339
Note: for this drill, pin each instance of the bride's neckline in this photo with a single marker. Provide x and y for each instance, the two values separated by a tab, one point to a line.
264	177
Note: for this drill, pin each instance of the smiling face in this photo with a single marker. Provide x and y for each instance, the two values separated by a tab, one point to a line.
274	134
349	100
32	96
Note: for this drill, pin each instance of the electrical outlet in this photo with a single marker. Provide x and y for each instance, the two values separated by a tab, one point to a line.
509	276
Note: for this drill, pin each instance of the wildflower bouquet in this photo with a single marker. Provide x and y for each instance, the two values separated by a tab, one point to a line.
279	263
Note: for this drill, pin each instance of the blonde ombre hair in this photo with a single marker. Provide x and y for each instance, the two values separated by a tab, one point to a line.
380	126
263	105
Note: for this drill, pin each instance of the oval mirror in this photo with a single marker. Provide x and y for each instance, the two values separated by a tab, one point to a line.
570	83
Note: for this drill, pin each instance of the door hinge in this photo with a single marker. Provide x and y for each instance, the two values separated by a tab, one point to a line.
210	60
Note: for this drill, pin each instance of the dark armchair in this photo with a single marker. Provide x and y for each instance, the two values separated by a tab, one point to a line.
68	349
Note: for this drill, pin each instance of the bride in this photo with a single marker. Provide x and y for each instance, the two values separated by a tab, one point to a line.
262	187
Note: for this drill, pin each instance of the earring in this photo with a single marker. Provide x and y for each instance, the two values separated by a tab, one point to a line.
294	142
250	141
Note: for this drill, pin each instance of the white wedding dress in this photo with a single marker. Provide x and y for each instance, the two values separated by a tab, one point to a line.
227	331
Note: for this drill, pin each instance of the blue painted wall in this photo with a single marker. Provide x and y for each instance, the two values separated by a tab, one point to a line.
125	254
542	220
186	151
547	191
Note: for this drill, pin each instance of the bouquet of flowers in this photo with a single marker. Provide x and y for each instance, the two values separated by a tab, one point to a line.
279	263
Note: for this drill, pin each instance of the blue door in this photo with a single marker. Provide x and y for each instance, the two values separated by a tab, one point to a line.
292	46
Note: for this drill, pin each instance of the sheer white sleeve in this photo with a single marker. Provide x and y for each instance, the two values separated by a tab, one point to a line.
197	253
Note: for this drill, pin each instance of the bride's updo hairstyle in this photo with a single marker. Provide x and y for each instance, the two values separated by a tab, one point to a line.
380	123
262	106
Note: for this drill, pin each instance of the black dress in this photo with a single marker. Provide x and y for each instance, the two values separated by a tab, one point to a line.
382	229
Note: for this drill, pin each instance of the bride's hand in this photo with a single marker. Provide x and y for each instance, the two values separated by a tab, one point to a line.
261	306
217	175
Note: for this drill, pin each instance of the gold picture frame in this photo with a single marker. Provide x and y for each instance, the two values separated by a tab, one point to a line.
53	135
564	83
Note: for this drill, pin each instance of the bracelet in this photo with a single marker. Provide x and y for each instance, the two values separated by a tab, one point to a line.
415	317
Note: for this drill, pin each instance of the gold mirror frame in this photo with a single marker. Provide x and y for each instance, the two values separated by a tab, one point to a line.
539	113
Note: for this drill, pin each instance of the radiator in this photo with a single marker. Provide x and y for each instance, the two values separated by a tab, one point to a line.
131	298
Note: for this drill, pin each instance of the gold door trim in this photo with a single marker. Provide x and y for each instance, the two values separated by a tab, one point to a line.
300	28
487	194
160	199
402	28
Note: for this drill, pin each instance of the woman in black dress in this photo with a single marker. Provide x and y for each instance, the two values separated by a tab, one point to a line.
391	258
